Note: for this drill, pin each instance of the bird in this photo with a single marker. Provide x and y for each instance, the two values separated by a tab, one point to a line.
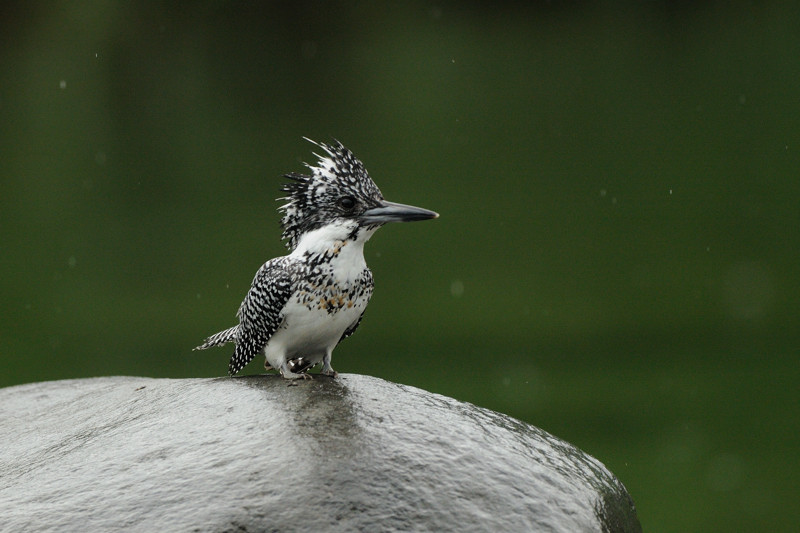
302	305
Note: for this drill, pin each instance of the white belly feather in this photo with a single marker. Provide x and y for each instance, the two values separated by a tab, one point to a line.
326	303
309	333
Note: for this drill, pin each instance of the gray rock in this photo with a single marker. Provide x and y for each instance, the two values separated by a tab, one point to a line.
253	454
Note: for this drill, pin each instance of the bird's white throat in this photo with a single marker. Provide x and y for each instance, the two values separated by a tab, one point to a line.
325	238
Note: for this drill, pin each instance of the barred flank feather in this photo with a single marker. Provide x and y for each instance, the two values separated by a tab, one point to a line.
246	349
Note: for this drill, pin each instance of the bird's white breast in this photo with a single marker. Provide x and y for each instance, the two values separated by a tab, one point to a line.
328	299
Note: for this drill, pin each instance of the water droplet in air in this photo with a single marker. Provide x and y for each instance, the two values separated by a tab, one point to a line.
457	288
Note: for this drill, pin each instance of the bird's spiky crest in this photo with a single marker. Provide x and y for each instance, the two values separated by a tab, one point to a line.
310	200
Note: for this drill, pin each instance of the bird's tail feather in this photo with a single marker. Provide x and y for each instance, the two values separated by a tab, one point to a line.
218	339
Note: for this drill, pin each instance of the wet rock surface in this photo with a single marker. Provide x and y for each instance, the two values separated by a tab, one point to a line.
252	454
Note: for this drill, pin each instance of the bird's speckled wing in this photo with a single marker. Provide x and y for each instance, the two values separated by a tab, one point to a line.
261	311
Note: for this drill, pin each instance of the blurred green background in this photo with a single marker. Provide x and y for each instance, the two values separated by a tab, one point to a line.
617	255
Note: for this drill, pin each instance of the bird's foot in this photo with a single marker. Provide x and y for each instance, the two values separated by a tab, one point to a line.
329	372
294	376
295	379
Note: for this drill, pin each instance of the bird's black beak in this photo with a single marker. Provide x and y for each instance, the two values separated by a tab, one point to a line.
392	212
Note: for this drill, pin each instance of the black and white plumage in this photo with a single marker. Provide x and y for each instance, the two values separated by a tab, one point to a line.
300	306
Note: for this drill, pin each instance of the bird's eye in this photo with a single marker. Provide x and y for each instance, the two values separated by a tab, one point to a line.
347	202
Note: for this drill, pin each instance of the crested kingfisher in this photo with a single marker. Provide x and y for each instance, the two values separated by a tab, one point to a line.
301	305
